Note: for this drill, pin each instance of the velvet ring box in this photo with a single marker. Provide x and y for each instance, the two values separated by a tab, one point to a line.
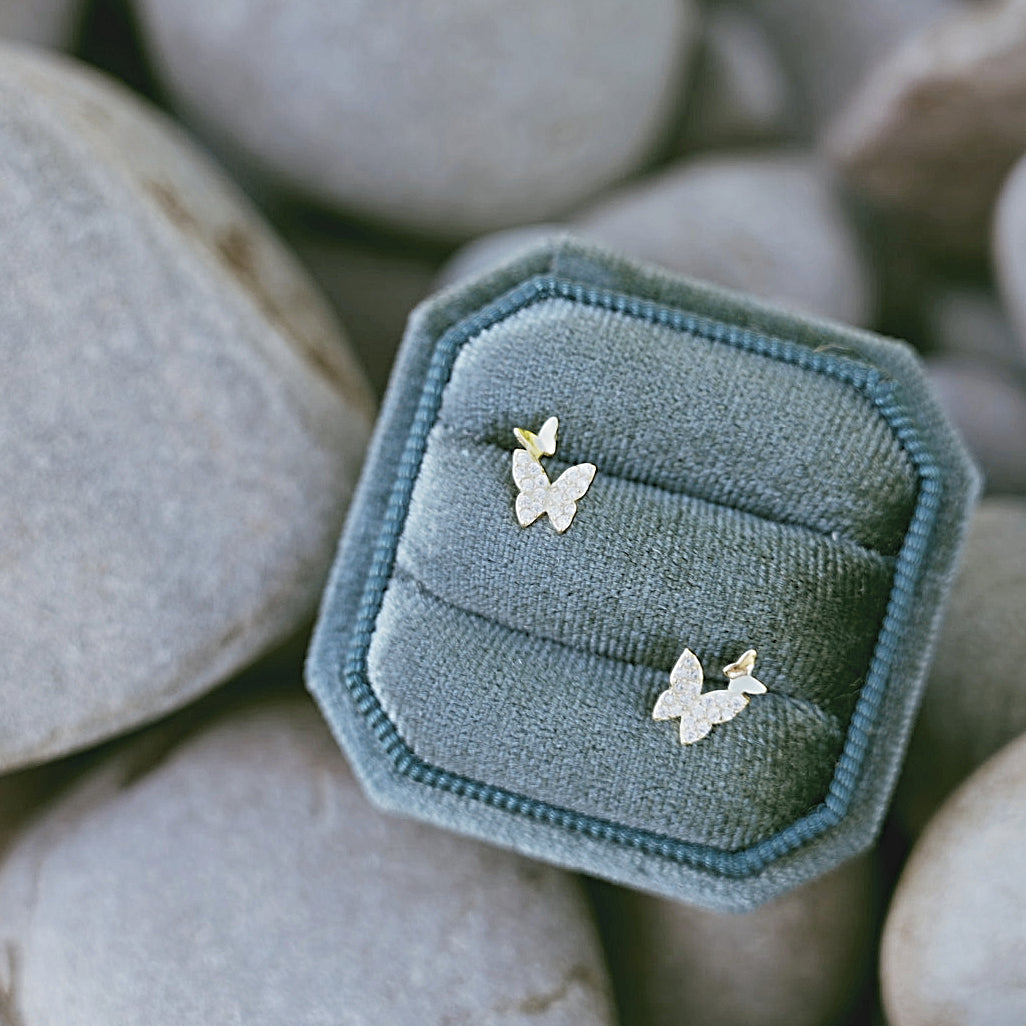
764	481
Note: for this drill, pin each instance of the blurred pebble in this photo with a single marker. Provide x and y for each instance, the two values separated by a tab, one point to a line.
1009	242
954	944
181	425
491	251
831	45
241	877
969	323
768	224
799	961
935	129
450	118
41	22
740	92
375	289
988	404
975	701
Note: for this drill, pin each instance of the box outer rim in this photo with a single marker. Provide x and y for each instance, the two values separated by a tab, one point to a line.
594	269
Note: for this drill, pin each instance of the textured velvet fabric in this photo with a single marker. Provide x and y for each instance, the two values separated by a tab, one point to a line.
763	481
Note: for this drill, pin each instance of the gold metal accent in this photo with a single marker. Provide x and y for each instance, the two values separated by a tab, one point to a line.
698	712
541	444
743	667
537	494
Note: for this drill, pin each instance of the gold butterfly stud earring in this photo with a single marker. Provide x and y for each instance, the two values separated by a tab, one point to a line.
537	494
699	713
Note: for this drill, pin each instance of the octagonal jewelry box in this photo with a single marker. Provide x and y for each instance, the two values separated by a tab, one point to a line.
763	481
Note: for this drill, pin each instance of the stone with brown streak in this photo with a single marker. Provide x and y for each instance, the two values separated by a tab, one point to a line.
181	426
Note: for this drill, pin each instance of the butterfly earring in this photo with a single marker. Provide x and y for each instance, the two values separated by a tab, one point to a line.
537	493
699	713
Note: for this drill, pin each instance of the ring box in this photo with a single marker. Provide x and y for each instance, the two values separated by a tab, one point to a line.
764	480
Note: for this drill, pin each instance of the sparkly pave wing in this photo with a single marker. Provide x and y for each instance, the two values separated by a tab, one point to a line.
538	495
561	498
715	707
530	477
685	688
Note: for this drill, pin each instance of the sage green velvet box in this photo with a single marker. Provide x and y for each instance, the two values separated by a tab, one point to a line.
763	481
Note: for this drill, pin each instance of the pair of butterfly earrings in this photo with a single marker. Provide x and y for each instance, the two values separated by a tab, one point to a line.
537	496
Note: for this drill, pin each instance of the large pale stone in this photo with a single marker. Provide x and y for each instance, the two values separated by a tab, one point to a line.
770	224
452	117
181	423
798	961
1009	241
954	945
241	877
935	129
975	700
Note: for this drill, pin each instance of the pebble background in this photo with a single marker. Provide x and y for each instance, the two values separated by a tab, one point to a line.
214	220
